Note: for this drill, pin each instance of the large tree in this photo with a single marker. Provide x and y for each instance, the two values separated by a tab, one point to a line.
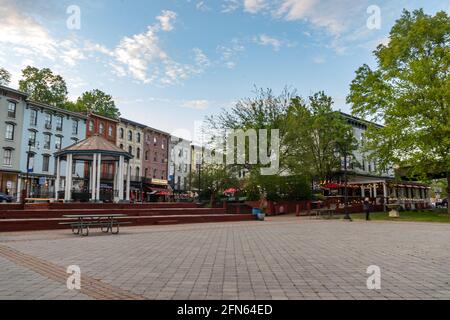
318	138
409	91
44	86
5	77
98	102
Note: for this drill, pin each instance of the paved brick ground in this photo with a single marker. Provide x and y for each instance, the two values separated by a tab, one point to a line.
283	258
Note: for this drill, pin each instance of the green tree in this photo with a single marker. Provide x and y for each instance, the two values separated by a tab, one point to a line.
409	91
318	137
5	77
213	180
44	86
98	102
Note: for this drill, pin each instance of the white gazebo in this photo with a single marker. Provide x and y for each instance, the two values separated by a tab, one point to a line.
93	152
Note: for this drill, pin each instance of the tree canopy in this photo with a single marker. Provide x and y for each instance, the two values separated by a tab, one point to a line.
317	137
98	102
5	77
409	91
44	86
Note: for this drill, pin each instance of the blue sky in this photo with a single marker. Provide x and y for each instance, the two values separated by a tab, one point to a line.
170	63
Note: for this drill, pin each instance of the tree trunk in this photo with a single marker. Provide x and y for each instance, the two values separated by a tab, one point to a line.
212	198
448	192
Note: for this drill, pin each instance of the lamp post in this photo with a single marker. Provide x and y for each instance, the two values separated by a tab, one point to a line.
27	177
347	215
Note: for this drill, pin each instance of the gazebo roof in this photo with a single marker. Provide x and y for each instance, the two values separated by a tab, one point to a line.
92	145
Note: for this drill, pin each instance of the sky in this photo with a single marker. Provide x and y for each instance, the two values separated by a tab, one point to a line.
168	64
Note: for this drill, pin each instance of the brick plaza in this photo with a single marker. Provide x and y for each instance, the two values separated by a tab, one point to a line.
282	258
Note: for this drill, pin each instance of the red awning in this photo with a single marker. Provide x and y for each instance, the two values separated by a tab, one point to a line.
230	191
331	186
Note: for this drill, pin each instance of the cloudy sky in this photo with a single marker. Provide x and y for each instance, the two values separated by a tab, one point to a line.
170	63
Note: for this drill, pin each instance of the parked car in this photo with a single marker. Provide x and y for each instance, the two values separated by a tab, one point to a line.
5	198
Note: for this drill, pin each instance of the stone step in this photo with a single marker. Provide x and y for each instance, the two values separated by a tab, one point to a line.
10	225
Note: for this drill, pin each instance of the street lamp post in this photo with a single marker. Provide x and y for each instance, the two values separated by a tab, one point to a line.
347	215
27	177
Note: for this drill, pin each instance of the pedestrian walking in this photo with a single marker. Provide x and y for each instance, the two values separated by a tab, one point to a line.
366	207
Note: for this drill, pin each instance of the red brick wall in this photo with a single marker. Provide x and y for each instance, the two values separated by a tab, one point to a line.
161	163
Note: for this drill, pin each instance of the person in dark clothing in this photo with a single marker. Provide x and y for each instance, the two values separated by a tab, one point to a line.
366	207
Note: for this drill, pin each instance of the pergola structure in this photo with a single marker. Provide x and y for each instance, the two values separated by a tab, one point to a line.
94	151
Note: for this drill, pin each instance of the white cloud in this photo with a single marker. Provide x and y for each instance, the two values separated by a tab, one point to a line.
23	32
230	5
166	19
296	9
265	40
196	104
230	53
200	58
254	6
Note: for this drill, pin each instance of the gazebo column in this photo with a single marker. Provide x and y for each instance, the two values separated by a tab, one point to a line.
120	177
385	196
68	195
99	172
93	176
127	197
58	178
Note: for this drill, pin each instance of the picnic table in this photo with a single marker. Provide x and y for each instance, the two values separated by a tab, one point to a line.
106	222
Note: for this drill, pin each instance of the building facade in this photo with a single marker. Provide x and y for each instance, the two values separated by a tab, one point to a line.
106	128
155	160
179	164
12	107
130	138
46	130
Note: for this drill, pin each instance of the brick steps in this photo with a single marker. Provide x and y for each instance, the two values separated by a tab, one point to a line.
9	225
30	214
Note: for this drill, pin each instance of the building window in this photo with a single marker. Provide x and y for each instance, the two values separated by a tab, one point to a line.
137	172
130	150
163	175
101	128
7	157
146	155
155	158
47	141
130	135
121	146
146	172
33	117
58	143
59	123
154	173
121	133
9	134
138	153
162	145
74	127
154	141
74	140
110	131
32	139
45	163
11	109
91	126
138	137
48	121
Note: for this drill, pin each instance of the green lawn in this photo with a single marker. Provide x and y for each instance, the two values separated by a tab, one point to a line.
418	216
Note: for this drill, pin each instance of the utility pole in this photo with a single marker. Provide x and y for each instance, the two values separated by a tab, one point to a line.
25	194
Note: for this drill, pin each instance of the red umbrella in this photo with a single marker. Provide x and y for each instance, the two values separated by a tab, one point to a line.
230	191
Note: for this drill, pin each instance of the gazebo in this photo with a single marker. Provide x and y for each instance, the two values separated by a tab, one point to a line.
94	151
